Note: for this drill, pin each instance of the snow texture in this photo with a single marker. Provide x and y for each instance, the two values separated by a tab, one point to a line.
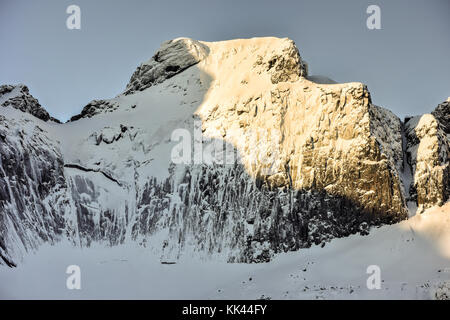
413	256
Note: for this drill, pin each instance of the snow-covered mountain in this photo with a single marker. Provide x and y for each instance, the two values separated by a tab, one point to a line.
413	256
275	161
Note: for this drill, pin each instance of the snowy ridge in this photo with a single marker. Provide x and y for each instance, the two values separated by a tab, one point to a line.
20	98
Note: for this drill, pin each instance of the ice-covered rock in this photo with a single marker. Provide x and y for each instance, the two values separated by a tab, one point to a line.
428	153
34	203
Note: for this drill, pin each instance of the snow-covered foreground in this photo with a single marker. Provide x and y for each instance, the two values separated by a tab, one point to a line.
414	258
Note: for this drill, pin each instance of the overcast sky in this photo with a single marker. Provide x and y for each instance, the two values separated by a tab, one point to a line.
406	64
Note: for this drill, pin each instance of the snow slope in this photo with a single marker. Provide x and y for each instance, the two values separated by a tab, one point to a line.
413	255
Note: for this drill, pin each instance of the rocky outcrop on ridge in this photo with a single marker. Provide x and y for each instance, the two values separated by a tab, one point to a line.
19	97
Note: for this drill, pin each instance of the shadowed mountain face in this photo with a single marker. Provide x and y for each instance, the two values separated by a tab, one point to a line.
311	161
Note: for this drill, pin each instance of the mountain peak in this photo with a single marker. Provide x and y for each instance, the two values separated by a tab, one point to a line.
19	97
271	59
279	56
171	58
442	113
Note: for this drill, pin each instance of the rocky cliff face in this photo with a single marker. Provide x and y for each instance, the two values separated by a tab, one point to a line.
270	161
33	193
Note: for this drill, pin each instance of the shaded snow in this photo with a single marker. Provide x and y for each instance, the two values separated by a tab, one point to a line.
414	257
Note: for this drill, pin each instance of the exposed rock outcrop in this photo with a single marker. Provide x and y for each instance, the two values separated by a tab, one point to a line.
95	107
20	98
173	57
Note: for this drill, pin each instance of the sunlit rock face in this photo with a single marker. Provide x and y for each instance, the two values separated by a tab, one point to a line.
309	162
316	136
173	57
